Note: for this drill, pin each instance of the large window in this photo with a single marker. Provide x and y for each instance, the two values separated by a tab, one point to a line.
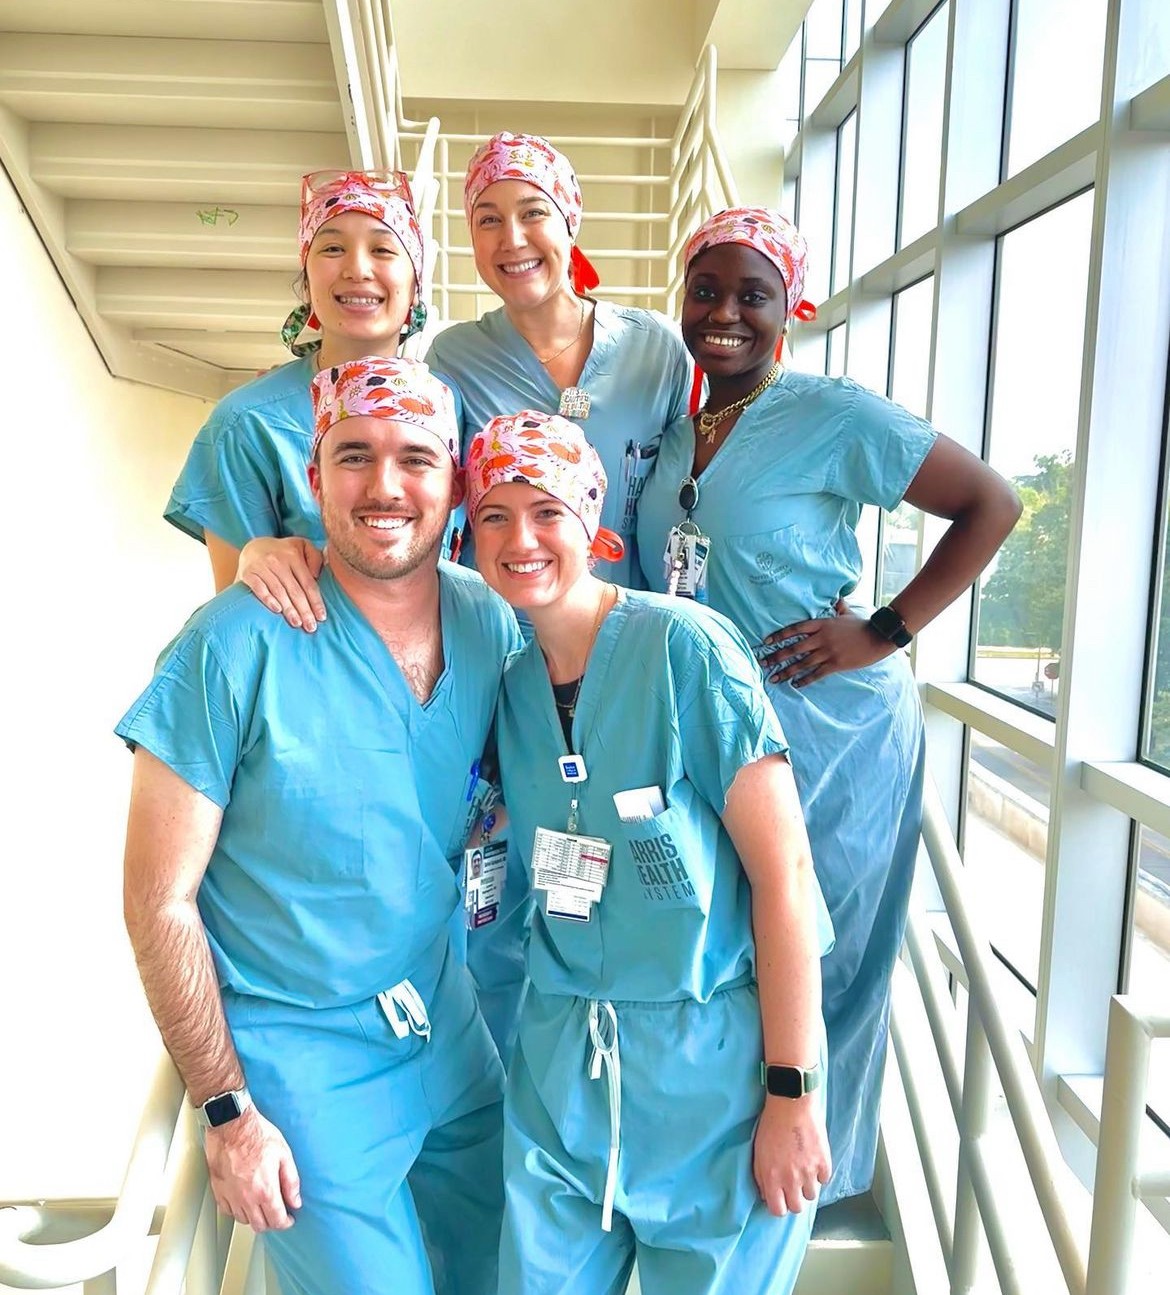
1004	844
922	125
908	385
1042	278
823	47
1054	87
843	202
1149	949
1156	739
1018	283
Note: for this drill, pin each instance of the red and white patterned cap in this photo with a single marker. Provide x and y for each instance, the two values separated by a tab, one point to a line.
769	233
385	195
541	450
379	386
525	157
532	159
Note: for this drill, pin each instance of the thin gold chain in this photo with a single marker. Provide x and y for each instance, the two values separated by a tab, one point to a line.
709	423
570	707
576	339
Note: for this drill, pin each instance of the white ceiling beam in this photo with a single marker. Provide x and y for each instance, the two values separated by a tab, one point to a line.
252	300
169	82
266	20
235	350
160	164
182	234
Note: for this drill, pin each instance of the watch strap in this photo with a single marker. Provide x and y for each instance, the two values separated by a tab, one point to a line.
790	1081
886	622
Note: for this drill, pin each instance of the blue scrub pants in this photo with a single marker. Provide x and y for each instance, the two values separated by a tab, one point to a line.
686	1204
397	1141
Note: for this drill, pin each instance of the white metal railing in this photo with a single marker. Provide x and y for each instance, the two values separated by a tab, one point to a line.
975	1211
197	1251
698	182
701	182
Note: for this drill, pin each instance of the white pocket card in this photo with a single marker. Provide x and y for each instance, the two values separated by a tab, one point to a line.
572	868
639	804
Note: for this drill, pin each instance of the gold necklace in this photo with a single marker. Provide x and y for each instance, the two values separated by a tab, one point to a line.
576	339
570	707
709	423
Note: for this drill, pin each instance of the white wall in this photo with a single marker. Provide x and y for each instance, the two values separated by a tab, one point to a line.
97	583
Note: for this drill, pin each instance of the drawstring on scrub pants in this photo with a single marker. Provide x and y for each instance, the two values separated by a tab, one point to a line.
404	996
603	1034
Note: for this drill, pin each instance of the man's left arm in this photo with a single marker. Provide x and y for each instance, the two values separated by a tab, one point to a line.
170	836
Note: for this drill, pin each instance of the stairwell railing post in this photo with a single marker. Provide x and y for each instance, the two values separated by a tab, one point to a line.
1116	1189
972	1126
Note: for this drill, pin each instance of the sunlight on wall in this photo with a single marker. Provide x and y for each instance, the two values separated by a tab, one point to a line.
97	584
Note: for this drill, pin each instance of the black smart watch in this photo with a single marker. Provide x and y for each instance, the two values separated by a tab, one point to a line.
886	622
223	1108
790	1081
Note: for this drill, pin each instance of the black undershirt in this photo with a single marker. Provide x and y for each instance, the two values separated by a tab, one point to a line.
565	695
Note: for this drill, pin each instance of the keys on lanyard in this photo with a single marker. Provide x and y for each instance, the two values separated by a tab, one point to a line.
687	549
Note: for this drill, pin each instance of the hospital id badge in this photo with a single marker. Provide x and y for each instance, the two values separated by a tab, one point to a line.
687	550
569	862
484	867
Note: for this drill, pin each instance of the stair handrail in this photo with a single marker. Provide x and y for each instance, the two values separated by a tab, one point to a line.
701	181
1051	1176
1119	1182
32	1266
1092	1261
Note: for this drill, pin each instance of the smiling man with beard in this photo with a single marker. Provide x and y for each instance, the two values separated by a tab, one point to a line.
296	800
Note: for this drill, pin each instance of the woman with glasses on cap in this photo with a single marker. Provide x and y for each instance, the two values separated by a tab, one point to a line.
665	1097
361	254
753	507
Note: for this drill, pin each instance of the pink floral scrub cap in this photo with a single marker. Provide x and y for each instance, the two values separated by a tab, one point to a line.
528	157
379	386
385	195
550	453
770	234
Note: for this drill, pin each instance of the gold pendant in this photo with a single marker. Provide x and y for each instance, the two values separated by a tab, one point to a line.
575	403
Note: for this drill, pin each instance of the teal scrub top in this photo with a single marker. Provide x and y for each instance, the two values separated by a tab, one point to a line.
782	497
246	474
671	699
638	376
344	798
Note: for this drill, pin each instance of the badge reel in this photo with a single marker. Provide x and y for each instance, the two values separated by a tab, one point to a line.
570	868
687	549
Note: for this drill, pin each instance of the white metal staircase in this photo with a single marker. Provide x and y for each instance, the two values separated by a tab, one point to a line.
167	199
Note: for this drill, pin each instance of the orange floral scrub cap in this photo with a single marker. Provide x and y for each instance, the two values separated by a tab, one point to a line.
528	157
550	453
770	234
403	391
386	196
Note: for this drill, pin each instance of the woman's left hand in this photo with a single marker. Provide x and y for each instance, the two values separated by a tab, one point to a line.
828	644
790	1158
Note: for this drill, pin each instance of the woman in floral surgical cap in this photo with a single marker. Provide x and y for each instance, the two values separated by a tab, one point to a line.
753	507
621	372
361	254
678	927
